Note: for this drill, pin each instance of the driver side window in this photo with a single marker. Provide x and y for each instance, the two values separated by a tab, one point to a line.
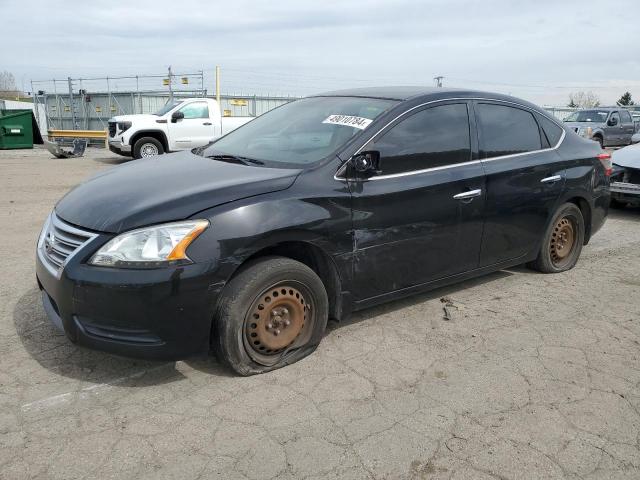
615	118
195	110
432	137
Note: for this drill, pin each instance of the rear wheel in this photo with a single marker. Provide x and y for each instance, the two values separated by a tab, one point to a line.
562	242
147	147
273	313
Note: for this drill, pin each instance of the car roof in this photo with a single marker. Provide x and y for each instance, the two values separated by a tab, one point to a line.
391	93
405	93
605	109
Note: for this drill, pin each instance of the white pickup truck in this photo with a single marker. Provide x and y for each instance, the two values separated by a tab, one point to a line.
180	125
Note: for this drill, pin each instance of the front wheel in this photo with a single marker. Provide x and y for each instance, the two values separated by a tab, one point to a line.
271	314
598	139
562	242
147	147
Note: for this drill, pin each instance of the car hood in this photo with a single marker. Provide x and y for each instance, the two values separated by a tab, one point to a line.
163	189
138	116
593	125
628	157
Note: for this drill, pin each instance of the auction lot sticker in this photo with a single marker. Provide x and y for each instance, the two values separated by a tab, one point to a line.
349	121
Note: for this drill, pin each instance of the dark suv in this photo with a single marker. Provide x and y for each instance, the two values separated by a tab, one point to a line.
323	206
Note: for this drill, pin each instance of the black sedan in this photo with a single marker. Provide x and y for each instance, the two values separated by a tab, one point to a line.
323	206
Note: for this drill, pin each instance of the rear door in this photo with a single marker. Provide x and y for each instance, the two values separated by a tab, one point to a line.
194	130
627	127
419	218
612	130
524	178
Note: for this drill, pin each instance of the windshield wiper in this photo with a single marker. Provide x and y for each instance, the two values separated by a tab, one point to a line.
200	150
236	159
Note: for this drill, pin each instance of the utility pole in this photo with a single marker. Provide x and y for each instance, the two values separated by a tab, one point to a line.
438	81
170	85
218	86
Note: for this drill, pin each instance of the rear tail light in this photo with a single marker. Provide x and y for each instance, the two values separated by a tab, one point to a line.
605	158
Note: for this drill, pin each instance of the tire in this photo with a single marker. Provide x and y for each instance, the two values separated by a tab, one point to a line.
562	241
598	139
271	314
147	147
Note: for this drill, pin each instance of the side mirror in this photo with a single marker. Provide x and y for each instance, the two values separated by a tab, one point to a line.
612	122
366	162
177	115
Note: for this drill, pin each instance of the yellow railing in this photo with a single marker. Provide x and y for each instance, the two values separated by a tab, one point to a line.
95	134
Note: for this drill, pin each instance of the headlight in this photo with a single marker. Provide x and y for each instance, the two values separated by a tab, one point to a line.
124	126
585	132
150	247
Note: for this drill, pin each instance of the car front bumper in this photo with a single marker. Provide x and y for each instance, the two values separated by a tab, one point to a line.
156	314
119	147
625	188
626	192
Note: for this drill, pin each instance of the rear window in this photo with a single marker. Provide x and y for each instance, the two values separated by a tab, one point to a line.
625	116
550	129
506	130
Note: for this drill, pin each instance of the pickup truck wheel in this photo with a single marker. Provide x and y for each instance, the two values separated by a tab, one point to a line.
271	314
562	242
147	147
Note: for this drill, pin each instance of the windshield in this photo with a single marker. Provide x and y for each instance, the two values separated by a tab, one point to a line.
167	108
301	132
599	116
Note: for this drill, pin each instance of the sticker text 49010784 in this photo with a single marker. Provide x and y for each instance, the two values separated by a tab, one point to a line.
348	121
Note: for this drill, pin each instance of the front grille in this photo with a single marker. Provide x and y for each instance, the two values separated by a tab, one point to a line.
61	241
112	129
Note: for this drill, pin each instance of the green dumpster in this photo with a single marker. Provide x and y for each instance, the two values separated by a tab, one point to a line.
16	129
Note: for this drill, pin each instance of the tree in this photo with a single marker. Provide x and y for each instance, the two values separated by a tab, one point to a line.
8	85
583	100
625	100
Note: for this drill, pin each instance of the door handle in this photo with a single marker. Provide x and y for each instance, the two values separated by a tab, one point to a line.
468	195
207	123
553	179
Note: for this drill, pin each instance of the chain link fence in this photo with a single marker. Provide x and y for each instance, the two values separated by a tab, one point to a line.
89	103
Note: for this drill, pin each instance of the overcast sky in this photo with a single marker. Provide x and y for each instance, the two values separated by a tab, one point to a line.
540	50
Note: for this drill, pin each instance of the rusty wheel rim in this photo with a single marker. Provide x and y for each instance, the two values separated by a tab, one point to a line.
277	321
562	241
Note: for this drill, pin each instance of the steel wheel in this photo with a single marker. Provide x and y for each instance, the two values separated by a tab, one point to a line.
148	150
279	319
563	240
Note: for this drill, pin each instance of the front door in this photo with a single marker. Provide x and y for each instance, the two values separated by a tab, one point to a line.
627	127
419	218
194	130
525	177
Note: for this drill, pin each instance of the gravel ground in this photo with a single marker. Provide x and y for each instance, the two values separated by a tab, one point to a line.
534	376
